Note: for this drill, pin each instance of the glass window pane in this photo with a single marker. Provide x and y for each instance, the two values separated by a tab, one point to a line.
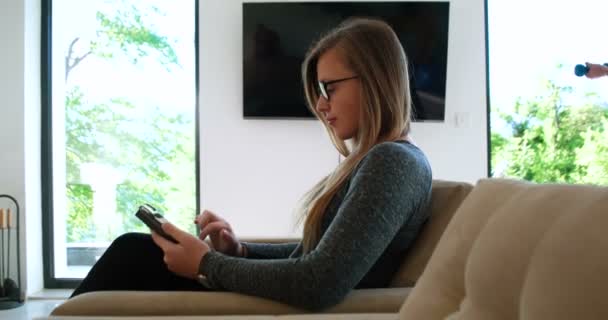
547	124
123	122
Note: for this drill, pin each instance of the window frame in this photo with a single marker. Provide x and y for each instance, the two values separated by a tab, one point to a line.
50	281
488	103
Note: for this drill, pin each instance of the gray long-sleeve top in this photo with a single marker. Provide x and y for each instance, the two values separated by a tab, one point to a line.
367	228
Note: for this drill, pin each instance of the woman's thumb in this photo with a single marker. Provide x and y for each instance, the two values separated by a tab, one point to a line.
225	234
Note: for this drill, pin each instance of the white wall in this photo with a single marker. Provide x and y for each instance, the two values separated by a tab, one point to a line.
458	148
20	126
253	171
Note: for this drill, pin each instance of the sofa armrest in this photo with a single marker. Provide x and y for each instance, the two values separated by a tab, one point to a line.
159	303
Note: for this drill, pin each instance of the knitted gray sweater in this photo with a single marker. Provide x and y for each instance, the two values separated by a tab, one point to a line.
367	228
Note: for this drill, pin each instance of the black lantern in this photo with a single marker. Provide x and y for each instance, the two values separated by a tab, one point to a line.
11	295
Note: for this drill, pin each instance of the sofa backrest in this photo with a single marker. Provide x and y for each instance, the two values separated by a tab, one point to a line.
446	197
518	250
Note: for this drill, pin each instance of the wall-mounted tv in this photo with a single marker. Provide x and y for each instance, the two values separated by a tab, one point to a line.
276	36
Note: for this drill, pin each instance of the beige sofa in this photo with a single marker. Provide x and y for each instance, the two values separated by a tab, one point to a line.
512	250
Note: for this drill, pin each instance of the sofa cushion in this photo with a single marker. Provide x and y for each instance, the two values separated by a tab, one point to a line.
568	272
316	316
446	197
131	303
518	250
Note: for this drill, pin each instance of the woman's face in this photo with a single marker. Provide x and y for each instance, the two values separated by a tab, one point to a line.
341	110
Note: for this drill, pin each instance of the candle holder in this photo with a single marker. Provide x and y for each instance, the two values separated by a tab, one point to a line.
11	295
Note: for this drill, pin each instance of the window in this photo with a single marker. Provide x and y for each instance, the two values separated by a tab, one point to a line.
119	124
547	125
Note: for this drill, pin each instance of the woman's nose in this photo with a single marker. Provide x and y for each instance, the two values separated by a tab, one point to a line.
322	105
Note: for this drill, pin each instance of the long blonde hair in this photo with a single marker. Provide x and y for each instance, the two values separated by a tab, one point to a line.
372	50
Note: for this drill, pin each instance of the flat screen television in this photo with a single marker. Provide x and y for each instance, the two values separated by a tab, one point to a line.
277	35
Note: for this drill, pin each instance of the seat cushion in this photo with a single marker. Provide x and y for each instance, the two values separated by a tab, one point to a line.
567	275
316	316
141	303
446	197
518	250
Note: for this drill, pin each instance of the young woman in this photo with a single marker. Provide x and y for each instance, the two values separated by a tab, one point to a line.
359	220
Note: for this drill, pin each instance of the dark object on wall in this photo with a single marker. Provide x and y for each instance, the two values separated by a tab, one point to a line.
276	36
11	295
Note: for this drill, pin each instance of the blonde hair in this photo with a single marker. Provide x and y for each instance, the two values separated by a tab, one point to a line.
373	52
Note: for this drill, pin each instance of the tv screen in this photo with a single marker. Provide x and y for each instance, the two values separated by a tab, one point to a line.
276	37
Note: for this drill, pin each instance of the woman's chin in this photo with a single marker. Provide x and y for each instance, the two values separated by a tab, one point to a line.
344	137
340	134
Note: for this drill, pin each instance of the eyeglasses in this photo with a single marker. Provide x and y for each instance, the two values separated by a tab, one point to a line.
323	86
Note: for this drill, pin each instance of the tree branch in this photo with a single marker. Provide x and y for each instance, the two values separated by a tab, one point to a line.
69	57
72	63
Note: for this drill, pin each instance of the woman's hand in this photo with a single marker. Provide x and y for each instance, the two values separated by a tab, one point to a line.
182	258
596	70
220	233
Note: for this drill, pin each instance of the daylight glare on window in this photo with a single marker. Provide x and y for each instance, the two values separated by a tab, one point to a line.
123	129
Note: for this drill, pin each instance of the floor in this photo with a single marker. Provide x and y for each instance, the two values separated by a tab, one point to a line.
38	305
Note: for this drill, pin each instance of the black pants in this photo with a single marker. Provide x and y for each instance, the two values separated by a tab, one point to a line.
134	262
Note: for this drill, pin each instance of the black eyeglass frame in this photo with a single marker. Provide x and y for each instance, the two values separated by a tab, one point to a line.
323	86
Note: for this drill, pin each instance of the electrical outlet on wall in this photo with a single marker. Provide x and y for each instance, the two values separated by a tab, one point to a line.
462	119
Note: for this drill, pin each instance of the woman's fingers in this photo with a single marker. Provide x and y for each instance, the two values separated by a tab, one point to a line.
233	246
228	235
218	230
206	217
214	227
161	242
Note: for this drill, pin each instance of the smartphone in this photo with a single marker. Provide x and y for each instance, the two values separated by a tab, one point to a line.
153	220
